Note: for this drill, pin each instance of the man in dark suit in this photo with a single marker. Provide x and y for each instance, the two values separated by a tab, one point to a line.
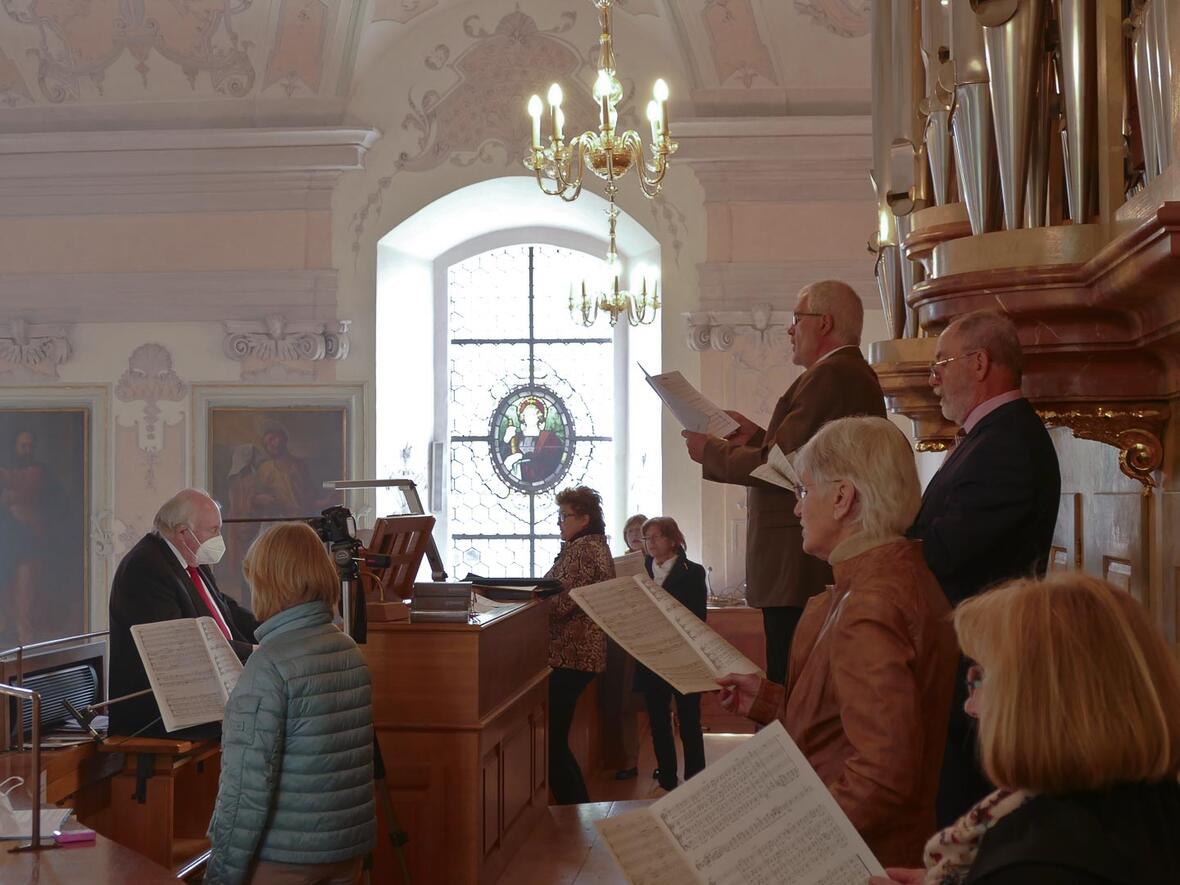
988	514
836	383
164	577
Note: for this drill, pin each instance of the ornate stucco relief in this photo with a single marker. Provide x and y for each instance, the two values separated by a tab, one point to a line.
14	91
277	350
297	56
32	351
153	396
76	42
757	340
469	109
845	18
736	43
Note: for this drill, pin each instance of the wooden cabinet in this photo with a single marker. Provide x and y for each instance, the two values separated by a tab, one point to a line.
461	713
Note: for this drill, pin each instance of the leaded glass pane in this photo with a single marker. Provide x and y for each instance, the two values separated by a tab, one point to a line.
529	414
557	272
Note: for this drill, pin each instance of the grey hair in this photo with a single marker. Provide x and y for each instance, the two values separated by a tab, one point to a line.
875	456
994	334
179	510
839	301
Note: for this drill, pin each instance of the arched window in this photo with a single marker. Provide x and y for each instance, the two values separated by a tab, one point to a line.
531	405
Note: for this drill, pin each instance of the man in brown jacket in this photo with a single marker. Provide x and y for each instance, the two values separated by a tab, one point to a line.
836	383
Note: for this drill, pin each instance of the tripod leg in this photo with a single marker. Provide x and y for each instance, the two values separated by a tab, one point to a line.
397	836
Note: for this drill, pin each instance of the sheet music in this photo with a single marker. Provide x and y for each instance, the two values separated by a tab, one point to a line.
187	684
761	816
630	564
644	850
718	654
225	659
634	621
692	408
778	470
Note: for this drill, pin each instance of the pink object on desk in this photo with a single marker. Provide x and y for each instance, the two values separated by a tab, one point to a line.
64	837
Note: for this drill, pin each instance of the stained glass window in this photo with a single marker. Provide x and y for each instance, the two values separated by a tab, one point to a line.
531	406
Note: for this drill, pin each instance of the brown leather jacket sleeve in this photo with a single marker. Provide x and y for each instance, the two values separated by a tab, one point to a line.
872	670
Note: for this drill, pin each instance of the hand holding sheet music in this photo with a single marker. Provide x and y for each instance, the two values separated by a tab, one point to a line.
692	408
778	470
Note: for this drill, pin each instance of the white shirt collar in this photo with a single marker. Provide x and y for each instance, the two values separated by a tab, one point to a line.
832	351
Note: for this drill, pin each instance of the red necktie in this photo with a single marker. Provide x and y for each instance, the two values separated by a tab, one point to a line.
213	609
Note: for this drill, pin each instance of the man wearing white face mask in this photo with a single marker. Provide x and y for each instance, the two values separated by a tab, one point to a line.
164	577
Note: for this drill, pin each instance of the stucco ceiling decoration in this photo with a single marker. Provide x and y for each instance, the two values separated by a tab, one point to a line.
400	11
735	40
303	33
845	18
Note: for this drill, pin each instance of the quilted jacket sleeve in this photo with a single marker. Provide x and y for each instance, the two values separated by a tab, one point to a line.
251	757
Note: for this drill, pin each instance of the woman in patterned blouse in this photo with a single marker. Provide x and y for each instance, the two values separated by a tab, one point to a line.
577	647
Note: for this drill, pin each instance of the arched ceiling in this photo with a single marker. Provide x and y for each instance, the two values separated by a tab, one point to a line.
110	64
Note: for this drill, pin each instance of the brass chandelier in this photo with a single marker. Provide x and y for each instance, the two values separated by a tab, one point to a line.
560	168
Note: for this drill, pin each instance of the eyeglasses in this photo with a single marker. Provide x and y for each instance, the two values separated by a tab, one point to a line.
937	366
802	491
562	517
974	678
803	313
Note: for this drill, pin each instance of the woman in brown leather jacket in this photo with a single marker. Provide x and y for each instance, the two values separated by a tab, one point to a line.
872	666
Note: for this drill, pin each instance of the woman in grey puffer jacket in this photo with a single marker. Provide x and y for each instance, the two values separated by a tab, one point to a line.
296	794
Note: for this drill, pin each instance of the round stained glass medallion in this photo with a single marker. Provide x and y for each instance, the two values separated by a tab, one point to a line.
531	437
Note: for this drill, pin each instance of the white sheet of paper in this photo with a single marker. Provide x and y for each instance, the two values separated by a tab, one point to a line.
644	850
629	616
630	564
188	678
778	470
18	824
692	408
761	816
482	605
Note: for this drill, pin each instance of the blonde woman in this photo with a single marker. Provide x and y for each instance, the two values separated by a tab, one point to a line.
1078	701
295	803
873	662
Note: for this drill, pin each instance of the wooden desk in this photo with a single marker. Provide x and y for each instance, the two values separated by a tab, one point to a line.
159	799
461	713
564	848
101	862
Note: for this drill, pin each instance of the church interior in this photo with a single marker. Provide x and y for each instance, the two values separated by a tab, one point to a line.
407	271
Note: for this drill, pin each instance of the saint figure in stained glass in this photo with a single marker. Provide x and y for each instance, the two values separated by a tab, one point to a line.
532	431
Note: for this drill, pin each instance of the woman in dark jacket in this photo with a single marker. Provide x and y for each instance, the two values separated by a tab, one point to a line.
577	647
1078	701
669	567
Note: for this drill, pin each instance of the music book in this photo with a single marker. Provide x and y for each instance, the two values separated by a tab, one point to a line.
758	815
661	633
691	408
778	470
191	668
630	564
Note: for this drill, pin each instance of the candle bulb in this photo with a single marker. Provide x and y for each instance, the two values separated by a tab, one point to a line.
535	111
560	121
555	97
660	92
653	116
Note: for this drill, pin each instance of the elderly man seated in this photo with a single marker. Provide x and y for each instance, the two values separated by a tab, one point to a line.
873	663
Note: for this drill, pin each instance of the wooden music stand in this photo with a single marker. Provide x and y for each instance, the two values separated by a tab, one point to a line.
404	540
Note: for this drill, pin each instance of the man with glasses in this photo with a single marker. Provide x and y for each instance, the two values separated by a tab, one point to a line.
836	383
989	513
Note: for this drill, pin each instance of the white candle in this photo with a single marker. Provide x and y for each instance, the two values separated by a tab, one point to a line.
660	91
535	110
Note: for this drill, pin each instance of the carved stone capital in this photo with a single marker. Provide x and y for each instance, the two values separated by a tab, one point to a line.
1136	431
274	340
720	329
34	349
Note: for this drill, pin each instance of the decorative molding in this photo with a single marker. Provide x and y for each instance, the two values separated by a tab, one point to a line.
745	285
844	18
720	329
274	340
199	170
33	351
298	295
1136	431
150	379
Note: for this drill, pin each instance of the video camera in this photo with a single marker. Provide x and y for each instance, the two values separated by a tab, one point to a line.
335	527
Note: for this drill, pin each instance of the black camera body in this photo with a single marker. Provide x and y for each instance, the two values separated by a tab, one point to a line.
334	526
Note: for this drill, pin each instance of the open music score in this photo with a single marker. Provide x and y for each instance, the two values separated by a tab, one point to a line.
191	668
759	816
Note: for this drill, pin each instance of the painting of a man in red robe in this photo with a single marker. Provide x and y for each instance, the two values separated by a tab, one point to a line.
531	451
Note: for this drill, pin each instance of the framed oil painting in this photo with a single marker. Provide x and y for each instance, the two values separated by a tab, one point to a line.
46	511
265	455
